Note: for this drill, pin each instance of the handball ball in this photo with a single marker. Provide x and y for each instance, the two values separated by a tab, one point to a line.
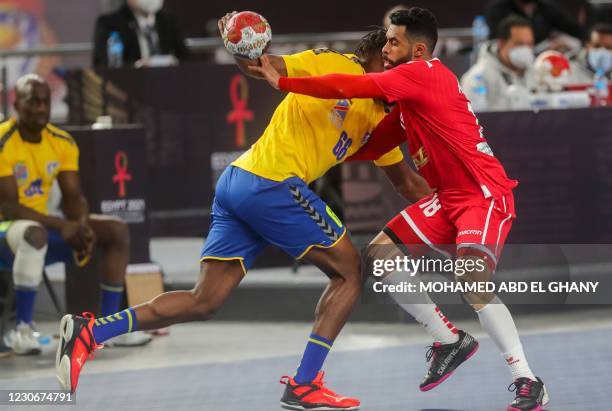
247	34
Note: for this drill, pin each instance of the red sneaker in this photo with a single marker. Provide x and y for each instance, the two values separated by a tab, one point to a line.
314	396
76	346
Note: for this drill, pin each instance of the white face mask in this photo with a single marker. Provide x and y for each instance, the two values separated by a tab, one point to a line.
521	57
600	59
150	6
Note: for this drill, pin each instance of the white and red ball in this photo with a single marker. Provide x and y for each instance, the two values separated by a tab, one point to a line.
552	70
247	34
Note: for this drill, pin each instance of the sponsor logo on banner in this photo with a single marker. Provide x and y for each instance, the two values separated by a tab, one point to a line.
130	210
122	176
239	97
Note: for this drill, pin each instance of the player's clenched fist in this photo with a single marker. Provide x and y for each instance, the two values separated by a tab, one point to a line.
77	235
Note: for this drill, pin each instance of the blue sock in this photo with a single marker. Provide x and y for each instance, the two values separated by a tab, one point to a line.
313	359
111	298
113	325
24	301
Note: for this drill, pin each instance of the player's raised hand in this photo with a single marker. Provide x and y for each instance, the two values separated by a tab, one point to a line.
223	21
267	71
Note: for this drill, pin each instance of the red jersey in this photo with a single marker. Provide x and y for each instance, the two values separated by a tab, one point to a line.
445	139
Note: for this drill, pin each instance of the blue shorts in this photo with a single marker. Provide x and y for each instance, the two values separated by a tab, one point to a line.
58	250
249	212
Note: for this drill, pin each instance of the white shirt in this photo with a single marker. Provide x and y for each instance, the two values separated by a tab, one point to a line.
146	23
503	84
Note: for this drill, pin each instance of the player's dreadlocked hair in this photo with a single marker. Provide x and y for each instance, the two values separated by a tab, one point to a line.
371	43
419	22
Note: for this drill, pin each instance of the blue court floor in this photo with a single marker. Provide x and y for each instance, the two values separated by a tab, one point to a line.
574	362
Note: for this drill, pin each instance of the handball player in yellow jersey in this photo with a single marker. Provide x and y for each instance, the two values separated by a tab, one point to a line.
33	155
263	198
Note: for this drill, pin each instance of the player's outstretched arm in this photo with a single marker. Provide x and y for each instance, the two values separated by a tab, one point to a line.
328	86
276	61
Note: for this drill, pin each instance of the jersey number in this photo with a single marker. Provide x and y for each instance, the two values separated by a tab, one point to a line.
342	146
431	207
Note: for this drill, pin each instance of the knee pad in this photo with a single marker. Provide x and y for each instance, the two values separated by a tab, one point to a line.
29	261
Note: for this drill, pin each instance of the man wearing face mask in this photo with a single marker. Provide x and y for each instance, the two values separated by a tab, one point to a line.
597	55
146	30
504	67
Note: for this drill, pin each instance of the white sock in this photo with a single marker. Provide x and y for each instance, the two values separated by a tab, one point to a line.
425	312
497	321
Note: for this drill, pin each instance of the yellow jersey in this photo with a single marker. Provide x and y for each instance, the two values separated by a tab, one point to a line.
307	136
36	165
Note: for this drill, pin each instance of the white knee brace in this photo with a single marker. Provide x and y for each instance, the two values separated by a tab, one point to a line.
29	261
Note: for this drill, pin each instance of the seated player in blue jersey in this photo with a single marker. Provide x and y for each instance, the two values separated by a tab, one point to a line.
263	198
33	155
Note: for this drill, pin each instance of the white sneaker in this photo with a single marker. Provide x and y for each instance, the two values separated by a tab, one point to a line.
23	340
135	339
45	340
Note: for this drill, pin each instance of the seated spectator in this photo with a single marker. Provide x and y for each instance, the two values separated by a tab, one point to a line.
34	154
146	30
503	63
545	16
596	55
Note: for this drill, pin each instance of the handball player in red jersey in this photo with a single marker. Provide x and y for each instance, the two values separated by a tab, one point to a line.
472	205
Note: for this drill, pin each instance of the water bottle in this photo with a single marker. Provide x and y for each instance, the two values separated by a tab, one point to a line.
478	95
480	34
114	49
600	88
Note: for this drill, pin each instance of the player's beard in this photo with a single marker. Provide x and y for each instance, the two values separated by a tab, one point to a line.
389	64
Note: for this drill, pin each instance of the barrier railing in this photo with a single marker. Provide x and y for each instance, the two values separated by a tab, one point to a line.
205	44
196	45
